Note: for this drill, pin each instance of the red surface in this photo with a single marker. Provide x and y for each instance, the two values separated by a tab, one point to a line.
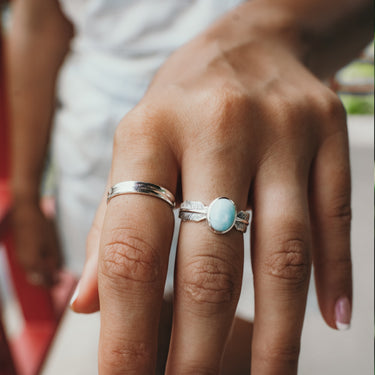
6	361
30	348
5	204
36	302
42	309
4	154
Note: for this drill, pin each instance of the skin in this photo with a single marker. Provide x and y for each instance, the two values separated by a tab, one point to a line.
248	119
37	44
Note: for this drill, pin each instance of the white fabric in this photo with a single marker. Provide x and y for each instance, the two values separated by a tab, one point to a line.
121	43
117	48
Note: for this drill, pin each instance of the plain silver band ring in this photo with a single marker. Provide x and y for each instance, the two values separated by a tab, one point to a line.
138	187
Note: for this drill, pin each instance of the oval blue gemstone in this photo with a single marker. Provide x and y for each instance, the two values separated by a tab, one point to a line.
221	215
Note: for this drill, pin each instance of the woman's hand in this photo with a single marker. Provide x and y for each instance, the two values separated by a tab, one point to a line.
238	115
36	243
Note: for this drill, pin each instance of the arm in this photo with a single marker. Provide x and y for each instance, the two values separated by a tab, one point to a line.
323	35
238	112
37	43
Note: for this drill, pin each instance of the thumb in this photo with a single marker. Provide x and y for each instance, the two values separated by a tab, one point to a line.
86	298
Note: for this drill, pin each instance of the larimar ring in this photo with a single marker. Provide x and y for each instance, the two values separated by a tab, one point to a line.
138	187
221	215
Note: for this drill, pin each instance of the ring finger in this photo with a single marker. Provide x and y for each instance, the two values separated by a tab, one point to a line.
208	272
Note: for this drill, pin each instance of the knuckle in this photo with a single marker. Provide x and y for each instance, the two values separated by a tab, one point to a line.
127	134
337	210
340	209
227	106
152	121
326	106
231	98
210	279
287	103
150	112
142	138
290	112
332	107
343	213
290	261
130	257
281	105
131	358
296	112
121	135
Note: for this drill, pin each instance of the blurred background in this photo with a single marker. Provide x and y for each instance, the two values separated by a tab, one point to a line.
55	350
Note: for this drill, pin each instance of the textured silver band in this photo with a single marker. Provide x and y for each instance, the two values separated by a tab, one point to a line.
138	187
197	211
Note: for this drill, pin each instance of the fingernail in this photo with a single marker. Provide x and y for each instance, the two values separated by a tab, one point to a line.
343	313
75	295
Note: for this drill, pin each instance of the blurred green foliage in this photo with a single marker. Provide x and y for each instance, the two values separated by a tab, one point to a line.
358	105
360	73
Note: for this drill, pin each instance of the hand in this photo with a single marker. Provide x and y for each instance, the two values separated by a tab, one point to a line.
36	243
233	115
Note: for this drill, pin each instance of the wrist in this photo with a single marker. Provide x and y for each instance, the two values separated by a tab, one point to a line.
264	23
321	36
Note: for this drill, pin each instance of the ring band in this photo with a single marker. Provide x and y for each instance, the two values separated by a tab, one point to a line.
221	215
146	188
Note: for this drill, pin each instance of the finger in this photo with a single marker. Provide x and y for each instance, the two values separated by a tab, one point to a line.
331	216
281	261
134	250
42	269
132	270
208	271
51	254
42	260
85	299
165	328
237	358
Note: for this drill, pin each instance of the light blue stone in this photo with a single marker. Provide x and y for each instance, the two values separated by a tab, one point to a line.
221	215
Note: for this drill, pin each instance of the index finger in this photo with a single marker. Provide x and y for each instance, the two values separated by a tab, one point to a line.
133	257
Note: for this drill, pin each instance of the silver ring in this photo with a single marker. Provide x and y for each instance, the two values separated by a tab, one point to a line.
137	187
221	215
